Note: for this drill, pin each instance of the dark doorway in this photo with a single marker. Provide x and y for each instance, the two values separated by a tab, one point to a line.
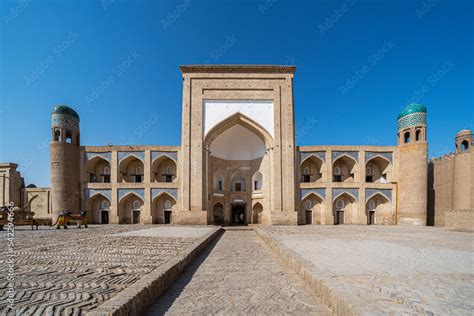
136	217
309	217
104	217
371	218
167	217
339	218
238	214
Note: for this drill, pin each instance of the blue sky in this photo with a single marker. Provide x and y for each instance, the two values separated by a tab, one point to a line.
116	62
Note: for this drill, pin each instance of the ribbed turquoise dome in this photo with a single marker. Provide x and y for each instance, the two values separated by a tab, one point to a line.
65	110
412	108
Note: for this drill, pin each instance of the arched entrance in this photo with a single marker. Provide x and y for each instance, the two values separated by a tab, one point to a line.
312	206
130	208
238	213
162	211
257	213
237	164
218	214
343	209
378	210
98	207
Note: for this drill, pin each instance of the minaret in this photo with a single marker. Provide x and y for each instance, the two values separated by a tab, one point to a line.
463	182
64	156
412	166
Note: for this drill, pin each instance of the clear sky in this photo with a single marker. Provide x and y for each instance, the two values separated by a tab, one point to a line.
116	63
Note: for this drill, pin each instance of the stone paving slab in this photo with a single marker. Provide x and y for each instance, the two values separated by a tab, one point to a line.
382	270
76	270
237	276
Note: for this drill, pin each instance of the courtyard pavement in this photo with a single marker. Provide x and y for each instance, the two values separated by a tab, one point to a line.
73	271
238	275
364	269
387	269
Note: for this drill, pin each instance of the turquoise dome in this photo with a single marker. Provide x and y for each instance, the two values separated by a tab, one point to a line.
412	108
65	110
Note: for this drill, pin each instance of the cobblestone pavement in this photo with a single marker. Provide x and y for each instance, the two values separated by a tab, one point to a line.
73	271
238	275
396	269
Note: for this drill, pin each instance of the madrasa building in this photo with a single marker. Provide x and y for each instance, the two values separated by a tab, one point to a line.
238	163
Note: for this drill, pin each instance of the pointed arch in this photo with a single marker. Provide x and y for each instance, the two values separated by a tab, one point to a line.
378	169
94	208
257	211
257	181
128	211
218	213
347	193
128	167
315	194
311	169
163	206
238	119
345	212
96	170
347	166
377	209
166	194
164	169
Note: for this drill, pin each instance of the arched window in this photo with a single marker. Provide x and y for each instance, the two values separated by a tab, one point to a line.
68	138
337	171
106	174
406	137
340	204
136	205
57	135
138	170
308	205
418	135
464	145
104	205
257	181
167	205
169	171
368	174
218	181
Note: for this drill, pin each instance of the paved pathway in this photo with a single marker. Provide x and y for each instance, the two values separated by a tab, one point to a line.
237	275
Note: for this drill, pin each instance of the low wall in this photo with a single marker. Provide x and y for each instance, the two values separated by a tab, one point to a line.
135	299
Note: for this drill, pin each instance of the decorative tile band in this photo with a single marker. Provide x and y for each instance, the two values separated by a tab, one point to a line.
305	154
414	119
66	121
106	155
371	154
321	192
171	154
138	192
89	193
171	192
338	154
353	192
371	192
124	154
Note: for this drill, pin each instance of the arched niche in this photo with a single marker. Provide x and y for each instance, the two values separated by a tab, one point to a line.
377	210
344	209
130	209
378	169
98	170
313	209
164	169
131	170
162	209
311	169
344	169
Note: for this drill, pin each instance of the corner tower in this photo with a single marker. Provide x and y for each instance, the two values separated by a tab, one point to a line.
64	158
413	165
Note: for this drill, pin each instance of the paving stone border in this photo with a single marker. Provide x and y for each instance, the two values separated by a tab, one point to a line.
317	286
136	298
